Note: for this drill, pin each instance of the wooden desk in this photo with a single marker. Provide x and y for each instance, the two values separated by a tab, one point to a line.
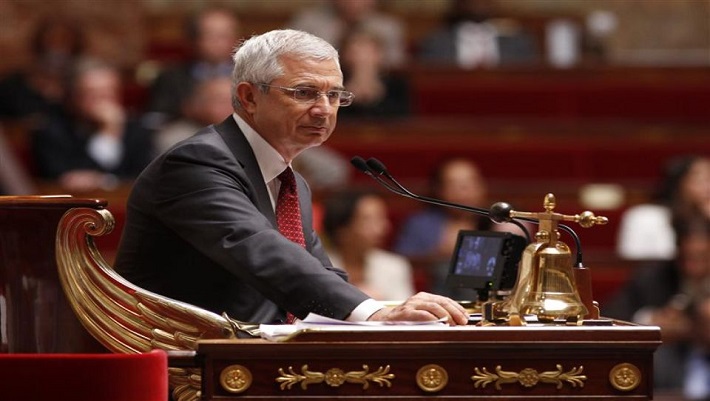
505	363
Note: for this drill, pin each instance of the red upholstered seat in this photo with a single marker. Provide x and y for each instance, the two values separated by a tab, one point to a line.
84	377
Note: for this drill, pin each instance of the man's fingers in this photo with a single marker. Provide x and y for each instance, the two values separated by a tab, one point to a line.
440	307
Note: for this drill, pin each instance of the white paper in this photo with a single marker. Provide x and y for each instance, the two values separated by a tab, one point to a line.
279	332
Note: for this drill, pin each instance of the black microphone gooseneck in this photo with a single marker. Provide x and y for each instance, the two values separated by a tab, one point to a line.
361	165
375	169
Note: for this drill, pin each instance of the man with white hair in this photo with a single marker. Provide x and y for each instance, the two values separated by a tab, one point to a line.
222	222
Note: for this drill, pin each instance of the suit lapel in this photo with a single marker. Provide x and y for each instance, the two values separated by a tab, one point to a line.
239	146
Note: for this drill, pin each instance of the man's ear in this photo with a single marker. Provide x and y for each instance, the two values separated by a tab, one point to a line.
245	93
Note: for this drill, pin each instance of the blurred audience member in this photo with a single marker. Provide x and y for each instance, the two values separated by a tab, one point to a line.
646	232
210	102
428	237
378	92
663	293
474	36
325	168
333	19
40	89
92	142
14	180
357	225
214	33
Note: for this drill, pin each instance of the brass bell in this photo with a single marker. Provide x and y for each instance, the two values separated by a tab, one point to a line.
546	285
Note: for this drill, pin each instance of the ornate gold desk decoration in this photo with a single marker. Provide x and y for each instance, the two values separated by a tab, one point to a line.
546	284
529	377
625	377
126	318
432	378
235	378
334	377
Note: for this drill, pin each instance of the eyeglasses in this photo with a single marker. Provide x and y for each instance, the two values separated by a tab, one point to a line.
305	94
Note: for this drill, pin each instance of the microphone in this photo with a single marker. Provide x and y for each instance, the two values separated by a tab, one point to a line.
376	169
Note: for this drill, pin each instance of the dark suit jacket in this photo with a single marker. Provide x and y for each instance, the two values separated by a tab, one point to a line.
201	229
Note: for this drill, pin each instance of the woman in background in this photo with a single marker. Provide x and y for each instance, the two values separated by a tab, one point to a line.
356	225
646	231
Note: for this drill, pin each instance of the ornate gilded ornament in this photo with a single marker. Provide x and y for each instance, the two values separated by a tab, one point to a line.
432	378
334	377
124	317
625	377
529	377
235	378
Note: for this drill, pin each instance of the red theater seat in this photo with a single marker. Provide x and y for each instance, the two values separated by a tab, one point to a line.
84	377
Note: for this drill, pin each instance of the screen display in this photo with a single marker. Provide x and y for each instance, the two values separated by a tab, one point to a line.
477	256
485	260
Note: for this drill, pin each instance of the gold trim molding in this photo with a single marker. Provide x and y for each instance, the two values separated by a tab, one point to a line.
334	377
625	377
235	379
432	378
529	377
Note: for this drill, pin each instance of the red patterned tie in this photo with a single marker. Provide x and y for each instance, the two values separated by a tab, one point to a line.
288	215
288	212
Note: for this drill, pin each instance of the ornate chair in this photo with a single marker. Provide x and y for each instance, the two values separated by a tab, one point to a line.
126	318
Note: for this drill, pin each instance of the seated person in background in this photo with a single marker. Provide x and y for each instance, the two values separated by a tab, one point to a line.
378	92
213	33
357	225
428	237
40	88
332	20
473	37
209	102
663	293
92	142
222	222
645	231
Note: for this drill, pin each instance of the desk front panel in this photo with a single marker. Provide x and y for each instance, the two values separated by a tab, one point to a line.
508	368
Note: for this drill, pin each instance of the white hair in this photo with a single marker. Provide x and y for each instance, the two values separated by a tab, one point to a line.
257	59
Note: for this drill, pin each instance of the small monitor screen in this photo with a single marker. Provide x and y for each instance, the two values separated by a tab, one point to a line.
477	256
485	260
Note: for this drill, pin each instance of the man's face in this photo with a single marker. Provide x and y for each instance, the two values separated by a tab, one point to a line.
291	126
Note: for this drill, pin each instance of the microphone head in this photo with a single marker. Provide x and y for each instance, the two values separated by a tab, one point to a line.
376	166
360	164
500	212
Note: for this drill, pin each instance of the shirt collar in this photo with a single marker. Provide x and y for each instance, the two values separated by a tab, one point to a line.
271	163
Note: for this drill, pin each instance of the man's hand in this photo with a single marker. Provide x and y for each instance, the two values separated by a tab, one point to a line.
422	307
